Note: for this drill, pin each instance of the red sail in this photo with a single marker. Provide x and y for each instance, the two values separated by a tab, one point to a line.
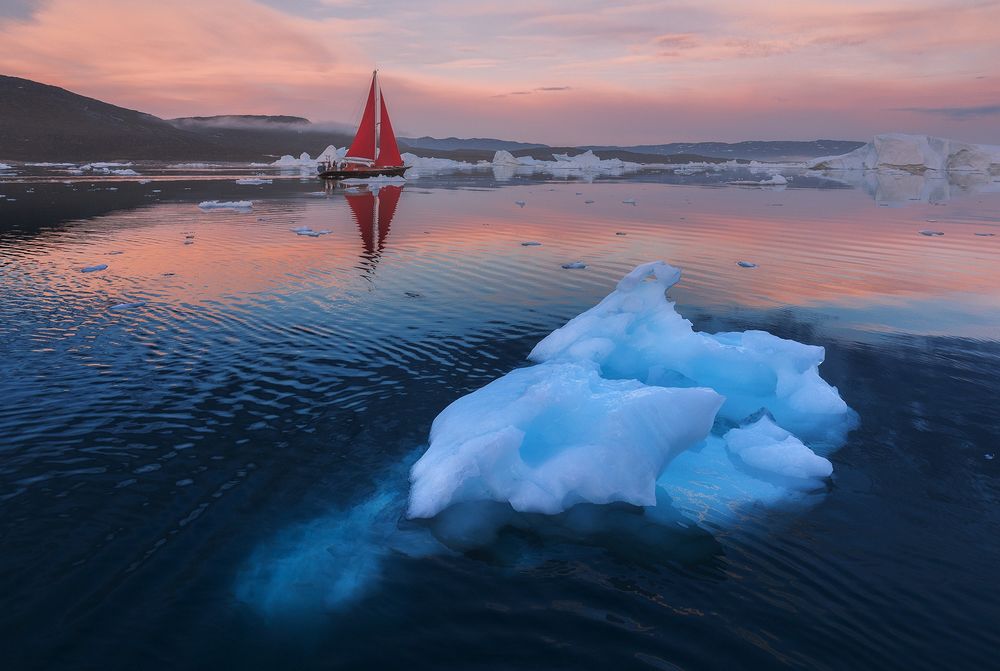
388	154
364	142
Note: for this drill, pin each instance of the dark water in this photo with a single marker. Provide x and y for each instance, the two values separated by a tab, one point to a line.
175	477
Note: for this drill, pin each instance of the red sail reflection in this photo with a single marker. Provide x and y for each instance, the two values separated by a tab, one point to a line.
373	212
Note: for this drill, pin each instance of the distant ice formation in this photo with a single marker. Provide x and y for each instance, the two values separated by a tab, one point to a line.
226	205
253	181
618	394
916	154
773	180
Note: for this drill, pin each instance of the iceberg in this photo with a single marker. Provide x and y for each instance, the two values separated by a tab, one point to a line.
253	181
226	205
915	154
614	398
506	164
289	161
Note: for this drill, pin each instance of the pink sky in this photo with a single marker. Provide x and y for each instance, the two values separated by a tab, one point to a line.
581	72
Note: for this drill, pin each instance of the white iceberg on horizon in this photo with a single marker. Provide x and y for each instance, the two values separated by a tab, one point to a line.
916	154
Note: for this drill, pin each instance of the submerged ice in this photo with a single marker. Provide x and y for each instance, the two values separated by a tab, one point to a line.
619	395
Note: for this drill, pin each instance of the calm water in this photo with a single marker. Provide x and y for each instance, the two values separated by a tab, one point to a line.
190	483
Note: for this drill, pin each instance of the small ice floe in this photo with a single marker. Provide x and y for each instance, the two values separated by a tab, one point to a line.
588	202
985	235
621	233
629	201
189	241
186	482
989	456
520	203
115	253
930	233
125	172
773	180
112	188
412	294
94	269
242	205
145	181
931	221
156	190
167	274
574	265
253	181
300	229
120	307
531	243
746	264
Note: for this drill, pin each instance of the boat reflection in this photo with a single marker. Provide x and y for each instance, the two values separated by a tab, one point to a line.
372	211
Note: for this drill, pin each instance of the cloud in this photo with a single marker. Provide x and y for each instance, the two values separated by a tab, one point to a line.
971	112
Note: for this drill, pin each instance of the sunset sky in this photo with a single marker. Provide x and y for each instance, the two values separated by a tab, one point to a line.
580	72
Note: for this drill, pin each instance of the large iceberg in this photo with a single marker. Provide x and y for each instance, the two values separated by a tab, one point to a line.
914	153
616	395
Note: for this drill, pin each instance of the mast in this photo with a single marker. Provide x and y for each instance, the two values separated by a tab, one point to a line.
378	115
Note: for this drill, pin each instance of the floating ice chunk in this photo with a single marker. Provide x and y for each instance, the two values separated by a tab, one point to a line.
124	172
550	436
622	403
226	205
531	243
115	253
253	181
120	307
145	181
746	264
765	446
300	229
194	165
94	269
520	203
629	201
431	164
986	235
635	333
574	265
773	180
930	233
289	161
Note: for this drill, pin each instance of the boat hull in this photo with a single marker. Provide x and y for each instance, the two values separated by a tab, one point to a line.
363	173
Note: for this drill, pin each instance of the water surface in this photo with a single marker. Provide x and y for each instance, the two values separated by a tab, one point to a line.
262	392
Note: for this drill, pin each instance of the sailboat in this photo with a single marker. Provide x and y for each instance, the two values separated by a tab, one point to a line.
374	152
